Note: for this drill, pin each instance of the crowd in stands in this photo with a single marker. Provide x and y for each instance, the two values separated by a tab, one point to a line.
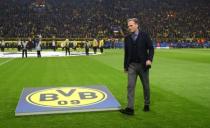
92	18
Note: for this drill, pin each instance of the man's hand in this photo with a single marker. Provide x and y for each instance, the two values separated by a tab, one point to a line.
148	62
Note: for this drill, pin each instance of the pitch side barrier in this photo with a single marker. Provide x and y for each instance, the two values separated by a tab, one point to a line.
110	43
47	43
167	45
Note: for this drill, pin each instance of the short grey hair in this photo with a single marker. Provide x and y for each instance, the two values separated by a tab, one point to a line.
135	20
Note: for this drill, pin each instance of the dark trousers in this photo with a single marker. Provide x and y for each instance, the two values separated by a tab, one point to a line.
134	70
19	48
54	48
24	51
95	50
101	49
67	51
39	54
2	48
87	51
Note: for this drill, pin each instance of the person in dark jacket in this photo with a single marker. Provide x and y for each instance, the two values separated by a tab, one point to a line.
138	56
24	46
38	48
67	47
86	46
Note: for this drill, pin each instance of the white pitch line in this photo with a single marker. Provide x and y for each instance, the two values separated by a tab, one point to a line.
6	61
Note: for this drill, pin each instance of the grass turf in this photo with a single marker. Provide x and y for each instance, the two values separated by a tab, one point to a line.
180	86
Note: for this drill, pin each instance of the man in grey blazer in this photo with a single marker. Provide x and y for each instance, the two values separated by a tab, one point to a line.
138	56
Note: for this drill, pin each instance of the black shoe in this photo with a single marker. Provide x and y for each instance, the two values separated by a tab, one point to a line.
127	111
146	108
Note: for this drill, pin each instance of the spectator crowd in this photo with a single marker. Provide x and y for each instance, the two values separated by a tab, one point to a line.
96	18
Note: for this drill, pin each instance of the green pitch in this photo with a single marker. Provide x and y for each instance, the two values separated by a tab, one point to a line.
180	89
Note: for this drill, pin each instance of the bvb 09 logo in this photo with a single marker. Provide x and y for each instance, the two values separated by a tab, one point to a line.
66	97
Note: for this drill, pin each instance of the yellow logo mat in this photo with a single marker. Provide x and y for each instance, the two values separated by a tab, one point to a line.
66	97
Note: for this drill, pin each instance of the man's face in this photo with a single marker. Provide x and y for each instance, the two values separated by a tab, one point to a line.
132	26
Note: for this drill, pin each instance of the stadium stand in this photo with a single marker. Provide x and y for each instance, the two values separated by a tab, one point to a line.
165	20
